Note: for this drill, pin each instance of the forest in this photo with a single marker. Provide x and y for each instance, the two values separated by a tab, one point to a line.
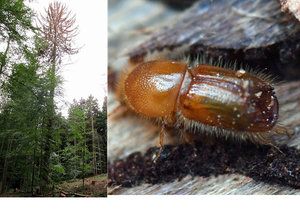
42	150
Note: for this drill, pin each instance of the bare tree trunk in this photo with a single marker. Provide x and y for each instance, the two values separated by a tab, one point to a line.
5	166
33	170
100	154
93	148
83	169
49	135
47	151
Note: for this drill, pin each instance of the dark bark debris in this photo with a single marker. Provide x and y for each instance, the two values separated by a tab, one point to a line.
263	163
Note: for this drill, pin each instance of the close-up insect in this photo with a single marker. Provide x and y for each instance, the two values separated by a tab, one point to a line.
201	98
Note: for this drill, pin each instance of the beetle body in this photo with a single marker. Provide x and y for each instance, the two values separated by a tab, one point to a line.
203	98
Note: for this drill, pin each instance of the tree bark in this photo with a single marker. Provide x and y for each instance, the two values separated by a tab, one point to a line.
49	133
5	166
93	148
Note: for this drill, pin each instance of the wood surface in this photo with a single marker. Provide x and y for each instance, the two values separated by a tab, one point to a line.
129	27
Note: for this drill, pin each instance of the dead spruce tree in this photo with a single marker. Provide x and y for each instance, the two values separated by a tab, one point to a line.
58	28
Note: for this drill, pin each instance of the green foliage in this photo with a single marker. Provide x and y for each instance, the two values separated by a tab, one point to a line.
101	126
101	120
58	169
15	25
74	148
20	121
22	131
15	19
38	146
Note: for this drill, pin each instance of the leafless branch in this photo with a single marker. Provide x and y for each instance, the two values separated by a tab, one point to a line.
59	29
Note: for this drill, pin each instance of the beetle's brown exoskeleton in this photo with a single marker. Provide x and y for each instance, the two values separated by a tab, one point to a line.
203	98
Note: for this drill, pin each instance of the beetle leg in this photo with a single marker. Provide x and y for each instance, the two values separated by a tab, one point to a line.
160	142
265	140
162	135
282	130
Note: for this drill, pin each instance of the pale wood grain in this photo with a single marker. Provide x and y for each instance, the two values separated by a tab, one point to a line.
129	133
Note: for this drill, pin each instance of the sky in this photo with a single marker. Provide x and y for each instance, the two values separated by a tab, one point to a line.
87	73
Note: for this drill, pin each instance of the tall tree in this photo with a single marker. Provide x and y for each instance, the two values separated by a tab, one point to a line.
101	126
58	30
20	121
92	109
15	23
